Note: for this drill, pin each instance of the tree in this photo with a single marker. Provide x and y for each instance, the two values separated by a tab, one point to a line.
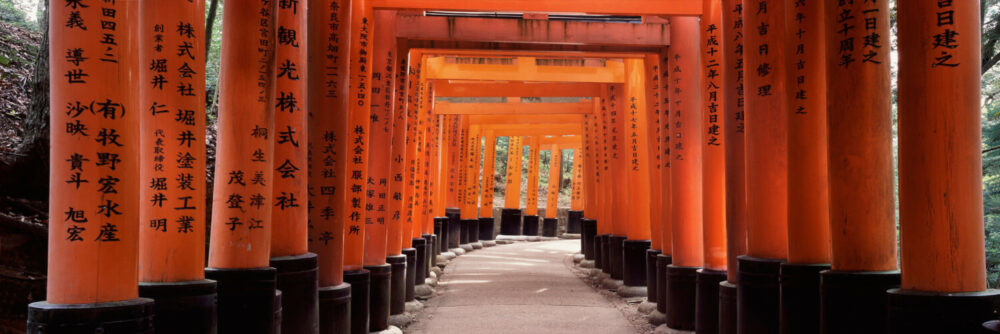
25	172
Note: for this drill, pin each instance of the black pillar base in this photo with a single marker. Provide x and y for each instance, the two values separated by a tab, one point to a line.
856	302
473	231
727	308
411	274
128	316
397	284
360	281
245	299
550	227
588	231
759	296
298	281
379	295
930	312
573	221
681	297
182	307
800	297
441	230
651	293
485	228
602	249
454	227
335	309
510	221
706	315
429	248
420	244
467	225
616	256
530	226
634	262
662	262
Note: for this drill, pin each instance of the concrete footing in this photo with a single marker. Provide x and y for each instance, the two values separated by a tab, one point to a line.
647	307
626	291
489	243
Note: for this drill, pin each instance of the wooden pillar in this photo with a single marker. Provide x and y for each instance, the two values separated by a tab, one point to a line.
414	124
531	197
862	213
93	190
620	188
470	166
940	171
555	178
451	180
489	175
243	197
686	169
637	166
577	193
512	193
734	132
651	66
665	184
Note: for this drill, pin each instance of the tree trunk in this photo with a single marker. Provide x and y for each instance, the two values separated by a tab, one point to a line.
213	8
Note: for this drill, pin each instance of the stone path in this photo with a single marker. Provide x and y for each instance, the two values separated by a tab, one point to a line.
526	287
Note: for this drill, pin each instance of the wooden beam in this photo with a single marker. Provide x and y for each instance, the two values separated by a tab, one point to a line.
447	108
520	89
477	29
543	54
488	120
524	69
617	7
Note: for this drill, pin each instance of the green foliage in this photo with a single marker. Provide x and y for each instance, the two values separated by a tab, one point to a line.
11	13
991	137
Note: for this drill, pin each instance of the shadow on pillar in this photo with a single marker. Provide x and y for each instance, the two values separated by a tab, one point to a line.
681	285
335	309
378	295
510	221
297	279
129	316
550	227
411	274
616	257
634	262
651	285
454	238
588	232
706	315
182	307
360	281
485	228
856	301
441	230
758	295
932	312
727	308
530	226
800	297
663	262
574	221
397	284
245	299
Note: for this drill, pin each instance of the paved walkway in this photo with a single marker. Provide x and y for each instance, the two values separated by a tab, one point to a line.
518	288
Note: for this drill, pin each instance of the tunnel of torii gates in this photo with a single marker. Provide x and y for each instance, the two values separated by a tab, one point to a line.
732	157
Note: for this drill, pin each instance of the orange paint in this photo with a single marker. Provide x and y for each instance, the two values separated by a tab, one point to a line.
531	195
767	138
940	159
454	134
620	188
859	123
94	175
489	175
555	175
686	156
380	140
666	173
396	240
470	166
172	240
577	193
603	117
414	124
736	202
636	140
242	197
713	143
328	51
512	191
290	204
652	68
808	218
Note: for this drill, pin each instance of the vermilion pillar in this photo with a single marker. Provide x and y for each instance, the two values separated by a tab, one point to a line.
486	219
555	177
469	166
637	169
172	240
619	175
530	226
713	145
297	271
242	199
666	184
809	218
859	123
401	261
940	172
604	222
413	245
94	173
578	193
460	178
686	169
510	216
327	68
734	132
651	66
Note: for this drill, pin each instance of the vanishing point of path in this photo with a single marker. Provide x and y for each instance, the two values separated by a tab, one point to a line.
526	287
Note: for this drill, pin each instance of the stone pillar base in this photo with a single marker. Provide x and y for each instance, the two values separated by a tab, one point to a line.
397	284
298	281
360	281
800	292
856	302
246	299
129	316
335	309
758	295
706	316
